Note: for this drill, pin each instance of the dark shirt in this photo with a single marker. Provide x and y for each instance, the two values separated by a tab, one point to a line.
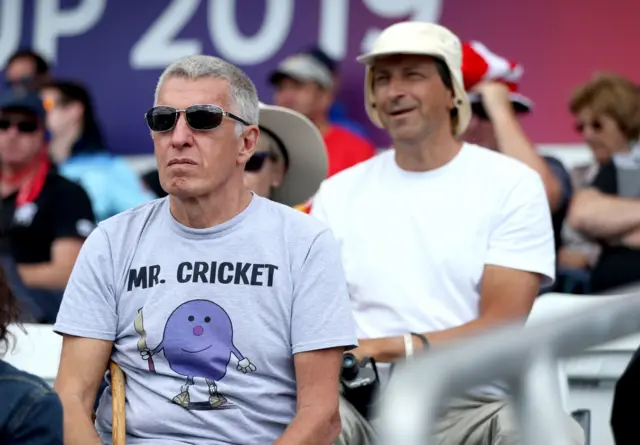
30	411
566	187
617	265
27	234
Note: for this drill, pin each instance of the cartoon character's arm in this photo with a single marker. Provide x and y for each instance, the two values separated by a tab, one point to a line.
147	353
244	364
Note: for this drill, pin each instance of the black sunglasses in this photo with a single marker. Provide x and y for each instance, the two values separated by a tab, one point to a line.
596	125
199	117
22	126
256	162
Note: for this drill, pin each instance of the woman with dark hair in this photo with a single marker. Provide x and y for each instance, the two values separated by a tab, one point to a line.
30	411
78	148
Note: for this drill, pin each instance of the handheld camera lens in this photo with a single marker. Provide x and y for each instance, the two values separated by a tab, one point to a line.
349	366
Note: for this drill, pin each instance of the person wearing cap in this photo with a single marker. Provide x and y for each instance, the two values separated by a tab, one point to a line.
441	239
227	312
305	84
44	218
496	106
26	70
290	160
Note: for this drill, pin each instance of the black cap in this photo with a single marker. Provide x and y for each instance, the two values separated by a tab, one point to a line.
22	100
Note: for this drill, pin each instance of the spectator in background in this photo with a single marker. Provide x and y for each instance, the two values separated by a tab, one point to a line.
338	112
496	106
26	69
290	160
78	148
440	239
607	113
30	412
304	83
44	218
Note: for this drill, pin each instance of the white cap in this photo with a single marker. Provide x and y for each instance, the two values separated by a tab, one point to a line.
420	38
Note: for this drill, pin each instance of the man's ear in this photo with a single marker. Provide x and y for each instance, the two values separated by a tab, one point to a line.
247	143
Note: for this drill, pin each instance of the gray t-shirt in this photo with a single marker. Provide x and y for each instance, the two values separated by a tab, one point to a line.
221	310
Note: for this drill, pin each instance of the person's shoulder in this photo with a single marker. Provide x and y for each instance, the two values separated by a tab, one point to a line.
22	384
354	175
290	218
349	137
499	167
65	186
131	218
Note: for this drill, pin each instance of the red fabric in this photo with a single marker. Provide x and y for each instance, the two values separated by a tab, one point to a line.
30	190
345	149
479	64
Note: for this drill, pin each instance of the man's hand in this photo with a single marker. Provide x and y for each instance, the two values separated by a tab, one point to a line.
495	97
385	350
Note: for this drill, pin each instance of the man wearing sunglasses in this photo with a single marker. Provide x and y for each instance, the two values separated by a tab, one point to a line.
496	106
228	312
44	218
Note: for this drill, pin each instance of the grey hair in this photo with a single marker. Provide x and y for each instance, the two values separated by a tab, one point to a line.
244	96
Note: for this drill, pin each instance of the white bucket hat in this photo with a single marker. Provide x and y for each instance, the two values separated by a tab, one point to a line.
419	38
306	153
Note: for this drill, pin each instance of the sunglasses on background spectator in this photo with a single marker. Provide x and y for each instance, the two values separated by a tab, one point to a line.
26	83
23	126
595	125
199	117
256	162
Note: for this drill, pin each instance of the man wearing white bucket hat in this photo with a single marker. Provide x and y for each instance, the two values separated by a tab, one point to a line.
440	239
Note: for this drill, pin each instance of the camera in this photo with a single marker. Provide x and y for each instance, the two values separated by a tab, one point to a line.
360	381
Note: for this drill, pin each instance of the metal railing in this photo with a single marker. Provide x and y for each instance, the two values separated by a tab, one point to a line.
526	358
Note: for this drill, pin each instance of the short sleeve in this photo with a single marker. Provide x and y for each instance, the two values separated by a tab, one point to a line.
522	237
88	307
606	180
321	314
74	216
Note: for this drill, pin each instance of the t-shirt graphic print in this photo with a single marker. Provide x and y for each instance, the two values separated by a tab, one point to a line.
197	343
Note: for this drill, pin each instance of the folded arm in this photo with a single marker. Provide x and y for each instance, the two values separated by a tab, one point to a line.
601	216
54	274
507	296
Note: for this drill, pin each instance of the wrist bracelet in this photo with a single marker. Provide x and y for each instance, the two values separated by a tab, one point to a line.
423	339
408	345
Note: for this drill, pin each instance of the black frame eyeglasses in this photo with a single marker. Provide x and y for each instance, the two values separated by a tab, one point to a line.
199	117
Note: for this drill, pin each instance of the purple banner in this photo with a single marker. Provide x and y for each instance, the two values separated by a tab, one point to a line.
119	47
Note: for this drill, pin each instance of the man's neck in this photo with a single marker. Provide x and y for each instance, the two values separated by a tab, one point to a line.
322	123
210	210
62	143
14	176
430	153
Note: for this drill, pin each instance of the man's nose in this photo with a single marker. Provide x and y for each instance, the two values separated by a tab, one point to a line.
396	87
182	134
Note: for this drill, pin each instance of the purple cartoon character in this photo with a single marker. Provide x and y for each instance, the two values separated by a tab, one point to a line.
198	342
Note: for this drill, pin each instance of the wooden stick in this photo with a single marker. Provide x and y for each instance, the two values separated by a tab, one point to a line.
118	410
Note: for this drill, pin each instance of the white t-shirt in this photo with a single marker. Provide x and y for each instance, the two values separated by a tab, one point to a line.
414	244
